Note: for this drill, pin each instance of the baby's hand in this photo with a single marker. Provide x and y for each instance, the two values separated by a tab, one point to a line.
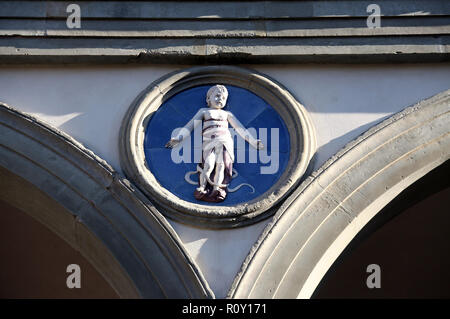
260	145
173	142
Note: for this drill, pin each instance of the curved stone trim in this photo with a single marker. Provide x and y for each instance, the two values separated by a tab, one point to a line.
82	199
132	156
315	224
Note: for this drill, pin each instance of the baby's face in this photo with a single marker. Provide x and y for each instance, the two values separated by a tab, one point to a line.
217	99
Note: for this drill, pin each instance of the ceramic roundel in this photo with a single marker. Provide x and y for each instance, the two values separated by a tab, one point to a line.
216	146
170	167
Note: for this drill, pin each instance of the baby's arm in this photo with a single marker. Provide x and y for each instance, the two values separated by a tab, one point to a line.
243	132
187	129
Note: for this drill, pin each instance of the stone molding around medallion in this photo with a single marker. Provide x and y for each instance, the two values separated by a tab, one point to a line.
294	115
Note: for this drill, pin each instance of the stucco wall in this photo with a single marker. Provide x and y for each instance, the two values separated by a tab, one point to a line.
89	102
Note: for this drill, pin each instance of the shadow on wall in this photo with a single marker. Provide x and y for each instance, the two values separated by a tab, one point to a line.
86	103
221	252
333	146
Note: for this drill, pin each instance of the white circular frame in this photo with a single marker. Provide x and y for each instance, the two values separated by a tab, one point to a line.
133	160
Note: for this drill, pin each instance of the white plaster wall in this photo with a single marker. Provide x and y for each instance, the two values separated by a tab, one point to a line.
344	101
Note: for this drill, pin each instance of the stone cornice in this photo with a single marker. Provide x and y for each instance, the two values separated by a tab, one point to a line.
191	32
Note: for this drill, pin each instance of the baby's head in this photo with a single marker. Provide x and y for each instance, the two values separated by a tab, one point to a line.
217	96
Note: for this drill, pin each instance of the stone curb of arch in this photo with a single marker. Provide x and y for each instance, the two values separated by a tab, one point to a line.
132	154
320	218
77	195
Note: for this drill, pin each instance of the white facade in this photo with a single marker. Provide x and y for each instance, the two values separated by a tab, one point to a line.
89	103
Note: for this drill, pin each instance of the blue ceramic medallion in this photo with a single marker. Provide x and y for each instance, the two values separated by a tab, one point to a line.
252	111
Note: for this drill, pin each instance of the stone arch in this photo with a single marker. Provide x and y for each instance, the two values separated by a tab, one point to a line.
330	207
78	196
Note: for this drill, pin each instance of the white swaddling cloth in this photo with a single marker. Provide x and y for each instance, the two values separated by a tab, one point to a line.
216	136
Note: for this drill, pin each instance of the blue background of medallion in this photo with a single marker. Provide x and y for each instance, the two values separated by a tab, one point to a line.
249	109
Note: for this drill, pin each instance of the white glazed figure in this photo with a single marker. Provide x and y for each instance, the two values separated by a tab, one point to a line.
215	171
